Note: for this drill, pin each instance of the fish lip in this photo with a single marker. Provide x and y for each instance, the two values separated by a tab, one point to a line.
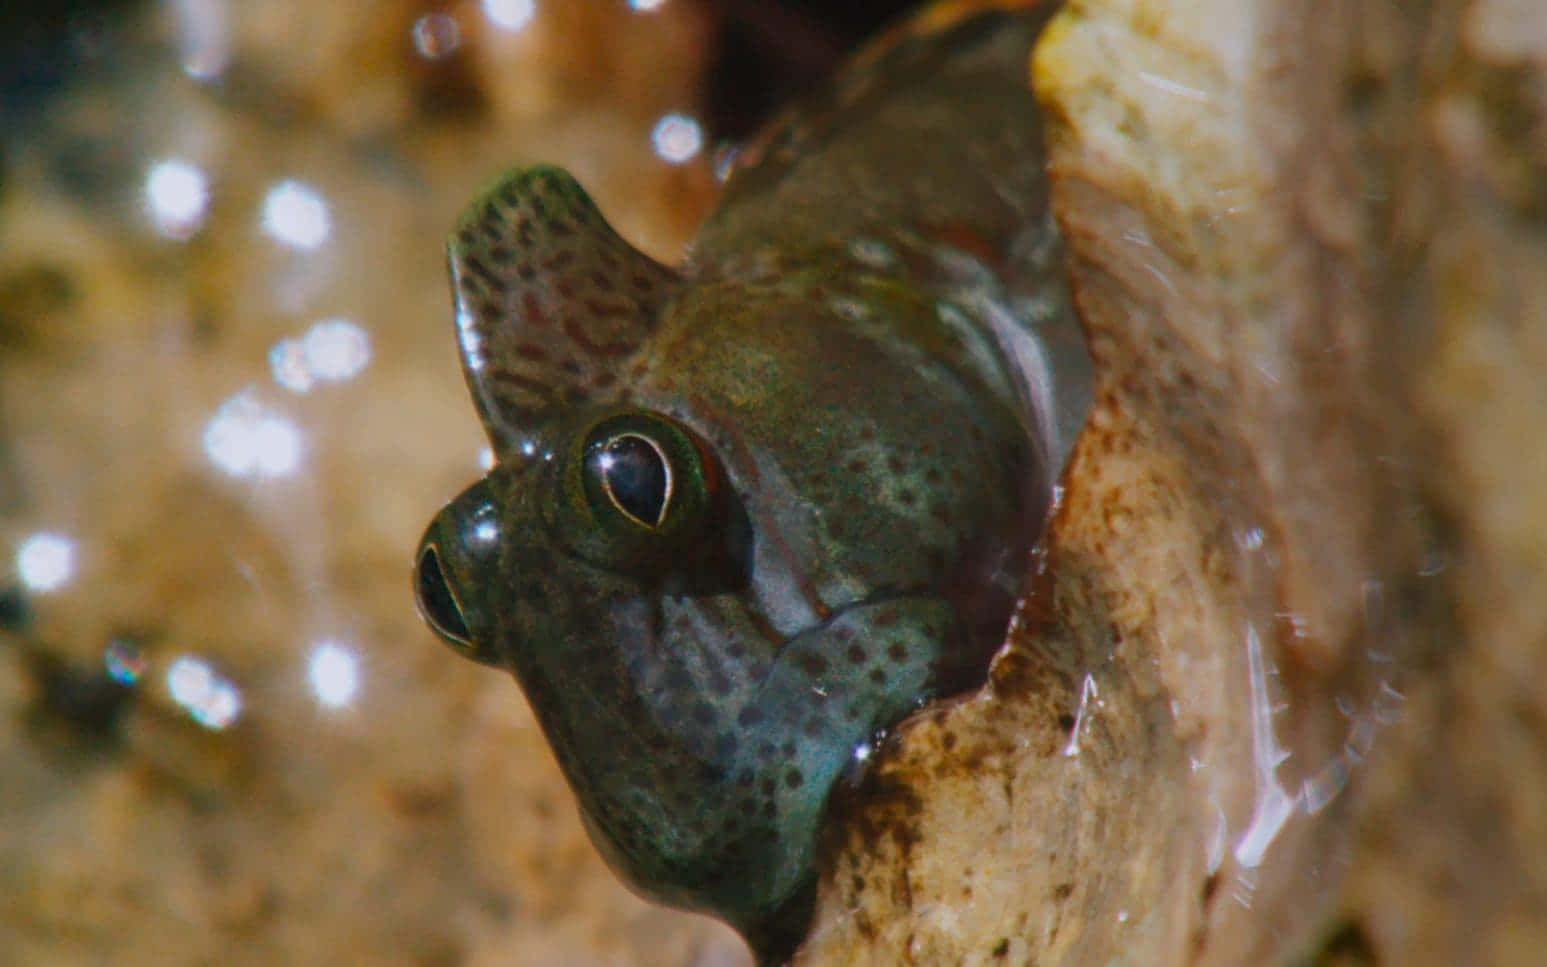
878	597
963	656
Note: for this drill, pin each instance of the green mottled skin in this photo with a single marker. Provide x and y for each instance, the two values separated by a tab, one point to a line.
844	382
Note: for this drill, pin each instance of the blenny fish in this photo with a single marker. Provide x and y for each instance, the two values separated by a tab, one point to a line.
749	512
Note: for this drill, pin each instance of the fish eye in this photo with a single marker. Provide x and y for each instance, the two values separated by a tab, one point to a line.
635	474
437	603
647	482
453	565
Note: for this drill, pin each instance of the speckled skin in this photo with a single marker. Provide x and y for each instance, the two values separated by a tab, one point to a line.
851	384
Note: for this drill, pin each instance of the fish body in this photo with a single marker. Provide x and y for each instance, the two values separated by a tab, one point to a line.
749	512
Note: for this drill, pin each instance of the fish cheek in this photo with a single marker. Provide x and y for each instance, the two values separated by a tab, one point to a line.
494	583
555	625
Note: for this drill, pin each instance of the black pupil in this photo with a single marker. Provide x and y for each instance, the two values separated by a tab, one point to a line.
635	476
436	602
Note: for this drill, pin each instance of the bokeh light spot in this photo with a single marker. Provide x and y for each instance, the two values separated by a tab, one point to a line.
124	661
203	36
333	671
510	14
211	700
336	350
677	138
177	197
332	351
294	214
45	561
245	438
436	36
287	364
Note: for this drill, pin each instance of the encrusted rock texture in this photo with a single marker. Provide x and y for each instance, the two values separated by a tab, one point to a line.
1280	694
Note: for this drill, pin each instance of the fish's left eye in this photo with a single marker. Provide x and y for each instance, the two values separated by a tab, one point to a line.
635	474
437	602
641	493
649	483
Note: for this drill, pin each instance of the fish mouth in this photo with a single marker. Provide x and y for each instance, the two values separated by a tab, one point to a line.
982	603
836	613
914	641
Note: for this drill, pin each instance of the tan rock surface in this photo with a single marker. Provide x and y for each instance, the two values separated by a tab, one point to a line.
1280	696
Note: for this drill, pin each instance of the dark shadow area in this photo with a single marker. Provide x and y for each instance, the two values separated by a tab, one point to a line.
769	54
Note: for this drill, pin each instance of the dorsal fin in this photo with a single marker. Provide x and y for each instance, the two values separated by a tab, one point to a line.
550	301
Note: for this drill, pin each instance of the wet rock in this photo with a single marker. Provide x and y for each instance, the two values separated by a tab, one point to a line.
1279	694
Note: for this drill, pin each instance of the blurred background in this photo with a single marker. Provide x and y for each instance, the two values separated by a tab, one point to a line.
230	402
